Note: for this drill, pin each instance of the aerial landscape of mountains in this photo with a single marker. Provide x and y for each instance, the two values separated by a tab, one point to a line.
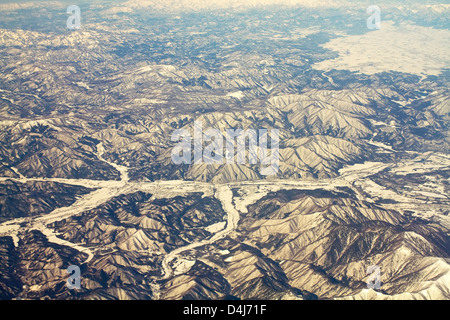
87	175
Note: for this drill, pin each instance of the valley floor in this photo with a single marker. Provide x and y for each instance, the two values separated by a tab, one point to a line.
356	177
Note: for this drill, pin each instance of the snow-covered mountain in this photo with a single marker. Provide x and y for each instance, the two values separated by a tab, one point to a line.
87	175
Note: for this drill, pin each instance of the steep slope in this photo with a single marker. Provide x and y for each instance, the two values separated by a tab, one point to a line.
324	244
35	198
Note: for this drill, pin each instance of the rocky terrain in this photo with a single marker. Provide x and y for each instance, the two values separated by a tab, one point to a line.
87	177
